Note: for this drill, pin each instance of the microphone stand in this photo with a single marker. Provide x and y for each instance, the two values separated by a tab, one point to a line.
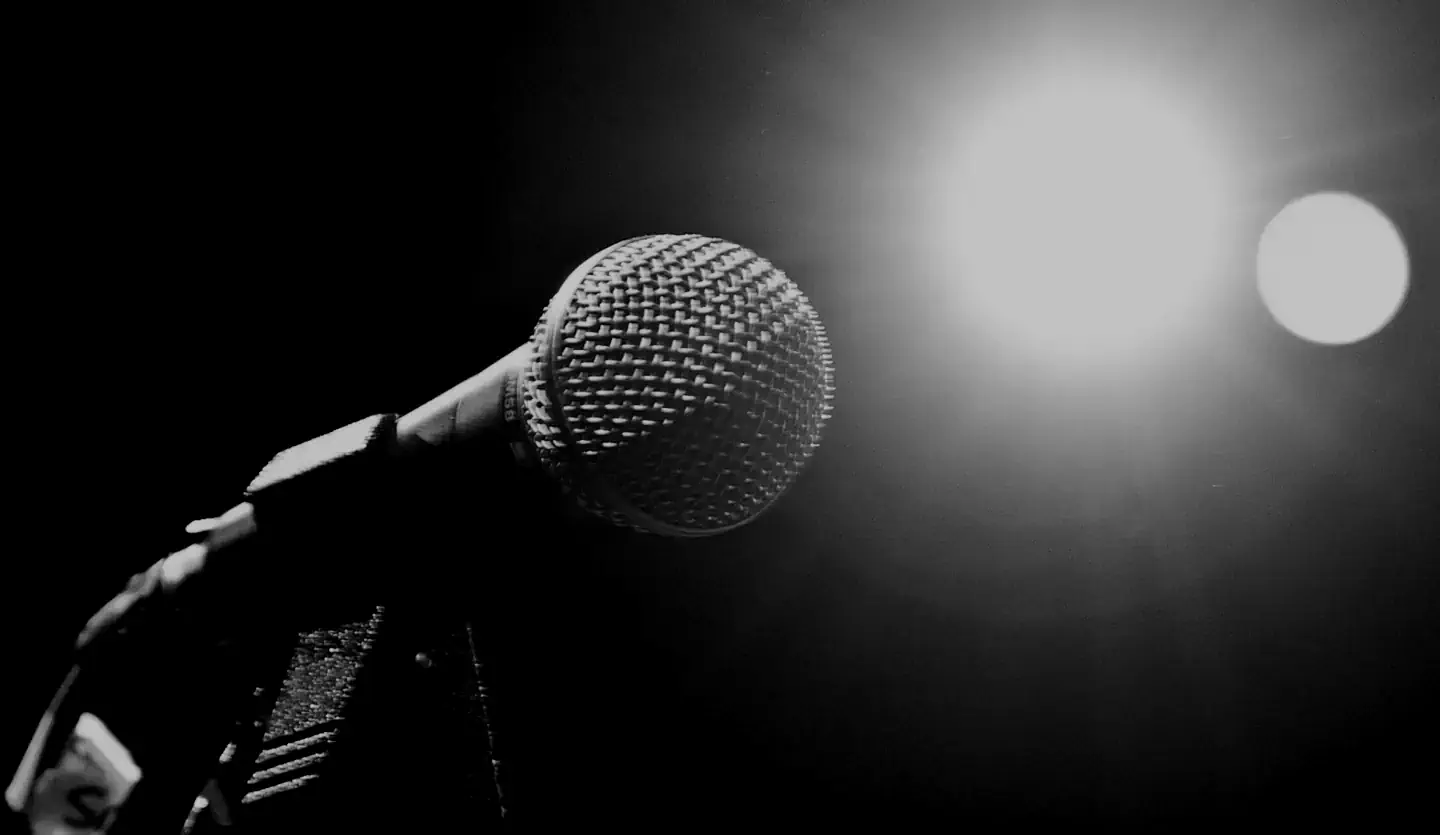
166	673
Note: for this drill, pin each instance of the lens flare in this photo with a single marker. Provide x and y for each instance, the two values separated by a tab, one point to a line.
1089	216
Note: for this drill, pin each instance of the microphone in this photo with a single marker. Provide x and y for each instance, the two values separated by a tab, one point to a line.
675	385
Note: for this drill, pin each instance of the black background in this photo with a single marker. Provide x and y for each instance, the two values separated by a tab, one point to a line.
1201	597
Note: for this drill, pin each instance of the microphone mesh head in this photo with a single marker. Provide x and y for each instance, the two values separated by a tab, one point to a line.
678	384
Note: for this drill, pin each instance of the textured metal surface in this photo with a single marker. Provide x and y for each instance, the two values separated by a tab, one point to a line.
374	720
679	384
323	673
322	676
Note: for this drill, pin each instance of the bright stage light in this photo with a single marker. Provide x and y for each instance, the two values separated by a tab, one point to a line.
1332	268
1090	217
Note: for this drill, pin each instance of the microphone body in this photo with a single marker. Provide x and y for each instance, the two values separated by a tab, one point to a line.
676	384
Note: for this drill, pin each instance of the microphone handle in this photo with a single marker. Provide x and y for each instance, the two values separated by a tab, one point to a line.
485	405
313	496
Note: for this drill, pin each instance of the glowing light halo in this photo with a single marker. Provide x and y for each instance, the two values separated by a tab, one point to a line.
1089	216
1332	268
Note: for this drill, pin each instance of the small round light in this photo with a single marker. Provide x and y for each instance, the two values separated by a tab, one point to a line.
1332	268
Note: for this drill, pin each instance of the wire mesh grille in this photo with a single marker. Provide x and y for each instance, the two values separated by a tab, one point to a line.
680	386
